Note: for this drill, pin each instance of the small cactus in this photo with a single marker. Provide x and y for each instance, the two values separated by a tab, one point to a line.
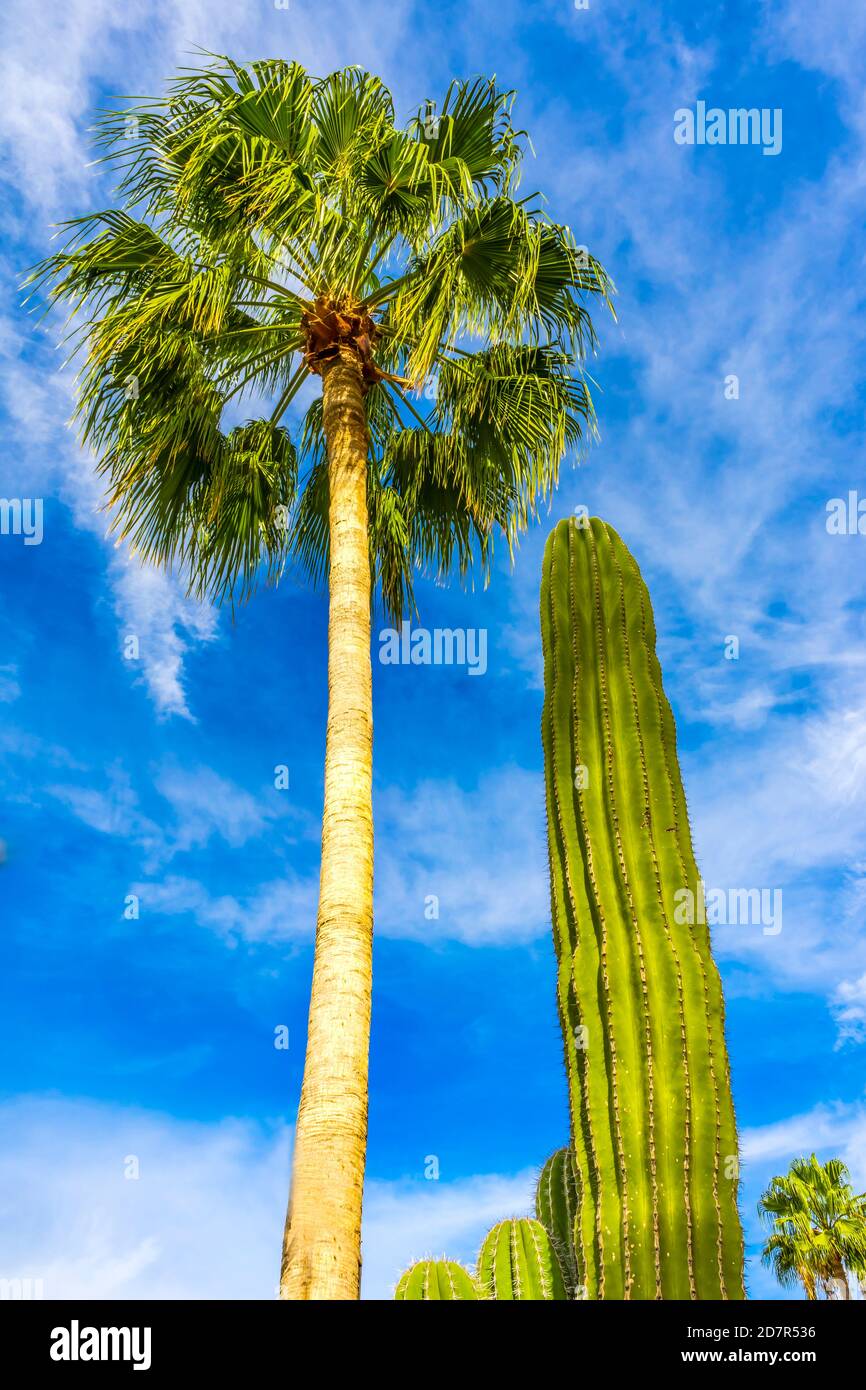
432	1280
557	1206
518	1260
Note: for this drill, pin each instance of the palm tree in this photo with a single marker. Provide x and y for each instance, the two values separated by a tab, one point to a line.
817	1228
276	227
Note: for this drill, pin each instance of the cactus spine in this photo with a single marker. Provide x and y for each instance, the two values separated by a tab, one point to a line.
639	996
518	1260
431	1280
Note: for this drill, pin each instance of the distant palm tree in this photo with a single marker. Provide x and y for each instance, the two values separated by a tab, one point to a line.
817	1228
278	226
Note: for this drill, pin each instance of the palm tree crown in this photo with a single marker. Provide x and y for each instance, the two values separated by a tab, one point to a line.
270	221
817	1227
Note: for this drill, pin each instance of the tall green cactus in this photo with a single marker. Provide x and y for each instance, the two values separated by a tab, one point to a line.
518	1260
639	996
431	1281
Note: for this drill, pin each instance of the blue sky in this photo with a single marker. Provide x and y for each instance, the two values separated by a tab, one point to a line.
153	1037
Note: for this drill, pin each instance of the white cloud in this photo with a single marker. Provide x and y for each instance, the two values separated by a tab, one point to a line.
799	795
58	62
276	912
204	1219
481	853
151	607
838	1129
46	461
787	812
849	1009
203	806
408	1221
47	64
831	41
112	810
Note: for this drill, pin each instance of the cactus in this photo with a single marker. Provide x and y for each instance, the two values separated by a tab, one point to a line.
556	1207
430	1280
518	1260
639	995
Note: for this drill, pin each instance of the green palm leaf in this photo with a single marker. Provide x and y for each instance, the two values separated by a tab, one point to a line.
817	1226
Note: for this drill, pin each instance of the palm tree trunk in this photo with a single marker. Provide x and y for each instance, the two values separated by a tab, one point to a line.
839	1281
322	1245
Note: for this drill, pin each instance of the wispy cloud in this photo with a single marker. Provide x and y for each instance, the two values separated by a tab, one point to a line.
203	806
276	912
151	608
45	460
